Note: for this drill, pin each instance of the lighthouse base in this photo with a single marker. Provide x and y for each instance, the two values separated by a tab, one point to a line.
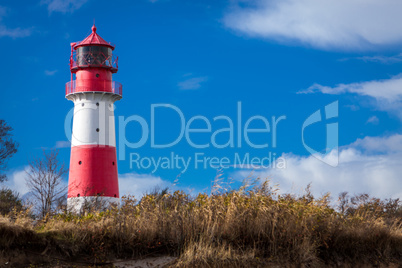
90	203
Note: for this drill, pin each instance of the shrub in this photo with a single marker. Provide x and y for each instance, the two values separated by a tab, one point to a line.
9	201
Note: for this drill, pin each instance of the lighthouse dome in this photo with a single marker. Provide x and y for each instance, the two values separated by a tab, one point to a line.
94	39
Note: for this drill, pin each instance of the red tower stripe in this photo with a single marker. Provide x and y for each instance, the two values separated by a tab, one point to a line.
93	171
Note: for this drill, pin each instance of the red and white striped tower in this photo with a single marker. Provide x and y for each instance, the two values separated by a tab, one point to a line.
93	165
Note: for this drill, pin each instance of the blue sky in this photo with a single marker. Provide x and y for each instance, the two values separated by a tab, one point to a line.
274	58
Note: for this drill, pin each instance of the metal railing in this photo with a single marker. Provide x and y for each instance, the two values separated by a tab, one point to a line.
94	59
116	88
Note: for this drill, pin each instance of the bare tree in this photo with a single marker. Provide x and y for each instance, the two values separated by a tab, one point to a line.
344	202
45	181
8	147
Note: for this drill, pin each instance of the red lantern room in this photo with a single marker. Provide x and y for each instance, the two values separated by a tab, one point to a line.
93	63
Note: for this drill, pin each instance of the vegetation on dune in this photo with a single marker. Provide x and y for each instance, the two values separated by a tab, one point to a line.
243	228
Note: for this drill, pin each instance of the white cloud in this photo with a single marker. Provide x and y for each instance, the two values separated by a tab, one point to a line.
386	89
63	6
16	181
62	144
382	59
352	107
373	120
139	184
386	93
330	24
50	73
192	83
13	33
383	145
361	170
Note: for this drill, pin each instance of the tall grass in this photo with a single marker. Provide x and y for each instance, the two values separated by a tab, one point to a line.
248	227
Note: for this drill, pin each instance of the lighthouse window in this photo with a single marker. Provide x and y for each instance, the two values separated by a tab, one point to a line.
94	56
78	195
97	75
97	130
115	195
83	104
113	163
97	104
79	163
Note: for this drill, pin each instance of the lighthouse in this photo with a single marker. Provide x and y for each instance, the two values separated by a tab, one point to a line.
93	164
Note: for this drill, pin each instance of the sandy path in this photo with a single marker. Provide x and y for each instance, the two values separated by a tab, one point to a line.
145	263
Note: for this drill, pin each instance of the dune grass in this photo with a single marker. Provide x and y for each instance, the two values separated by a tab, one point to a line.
248	227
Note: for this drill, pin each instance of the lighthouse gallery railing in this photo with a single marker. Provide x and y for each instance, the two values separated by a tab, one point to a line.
117	88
